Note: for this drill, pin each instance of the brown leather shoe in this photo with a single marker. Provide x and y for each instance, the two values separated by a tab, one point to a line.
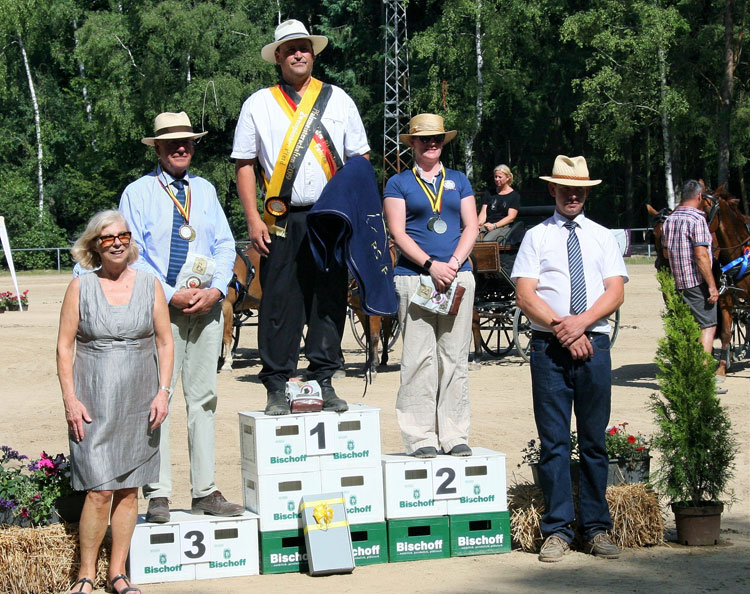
158	510
215	504
602	546
554	549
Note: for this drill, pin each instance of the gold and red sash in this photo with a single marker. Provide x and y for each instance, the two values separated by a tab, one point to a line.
302	135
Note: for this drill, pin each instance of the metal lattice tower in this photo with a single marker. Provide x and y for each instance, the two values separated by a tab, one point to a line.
397	97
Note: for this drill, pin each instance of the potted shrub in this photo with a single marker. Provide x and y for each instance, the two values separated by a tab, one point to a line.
629	460
694	434
37	492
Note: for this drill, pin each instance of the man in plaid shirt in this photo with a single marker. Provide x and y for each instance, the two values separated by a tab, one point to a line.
688	242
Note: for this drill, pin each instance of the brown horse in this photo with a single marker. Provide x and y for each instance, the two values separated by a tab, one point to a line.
730	230
380	328
243	295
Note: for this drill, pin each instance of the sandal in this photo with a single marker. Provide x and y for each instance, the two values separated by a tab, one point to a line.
128	586
83	581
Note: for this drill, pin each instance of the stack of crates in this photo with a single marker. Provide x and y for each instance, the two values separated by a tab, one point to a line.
446	506
286	457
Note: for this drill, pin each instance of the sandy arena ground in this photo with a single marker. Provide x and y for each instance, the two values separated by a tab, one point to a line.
502	420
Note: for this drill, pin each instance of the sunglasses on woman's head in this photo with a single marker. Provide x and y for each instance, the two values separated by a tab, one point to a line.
438	138
109	240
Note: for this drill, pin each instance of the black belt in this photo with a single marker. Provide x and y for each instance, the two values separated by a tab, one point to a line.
304	208
542	335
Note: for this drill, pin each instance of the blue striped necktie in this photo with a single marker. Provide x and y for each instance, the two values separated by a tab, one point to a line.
575	265
178	248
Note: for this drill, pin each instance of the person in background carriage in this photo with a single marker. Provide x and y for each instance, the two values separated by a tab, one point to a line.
273	132
432	218
687	239
176	219
570	277
499	207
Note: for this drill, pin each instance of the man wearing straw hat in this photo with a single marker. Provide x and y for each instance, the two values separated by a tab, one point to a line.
185	241
299	133
570	277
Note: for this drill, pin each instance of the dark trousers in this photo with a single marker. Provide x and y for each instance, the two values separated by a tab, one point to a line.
560	384
295	293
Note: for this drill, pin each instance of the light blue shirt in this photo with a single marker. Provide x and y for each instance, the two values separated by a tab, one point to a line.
148	209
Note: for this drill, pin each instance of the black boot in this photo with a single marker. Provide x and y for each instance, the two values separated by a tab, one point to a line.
330	400
277	404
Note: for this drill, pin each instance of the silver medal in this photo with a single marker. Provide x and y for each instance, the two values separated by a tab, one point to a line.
187	233
437	225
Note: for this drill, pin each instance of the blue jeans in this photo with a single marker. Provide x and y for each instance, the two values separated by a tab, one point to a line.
560	384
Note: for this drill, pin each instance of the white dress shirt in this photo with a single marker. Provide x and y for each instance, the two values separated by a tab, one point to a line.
543	255
263	124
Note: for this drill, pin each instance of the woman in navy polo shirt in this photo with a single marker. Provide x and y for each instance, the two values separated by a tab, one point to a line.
431	215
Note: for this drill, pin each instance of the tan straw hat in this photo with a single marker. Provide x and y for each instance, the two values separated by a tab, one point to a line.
170	125
427	124
288	30
570	171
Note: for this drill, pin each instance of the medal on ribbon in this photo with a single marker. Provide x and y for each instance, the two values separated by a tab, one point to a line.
435	224
186	231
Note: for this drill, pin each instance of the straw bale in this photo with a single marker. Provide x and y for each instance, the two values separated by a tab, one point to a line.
637	520
42	560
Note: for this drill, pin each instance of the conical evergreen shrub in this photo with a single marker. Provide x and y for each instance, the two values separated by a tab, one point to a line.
694	434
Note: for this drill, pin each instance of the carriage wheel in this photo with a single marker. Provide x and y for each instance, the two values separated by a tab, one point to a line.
521	333
495	333
740	343
359	331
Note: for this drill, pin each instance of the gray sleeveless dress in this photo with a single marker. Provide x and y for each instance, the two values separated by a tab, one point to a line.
116	378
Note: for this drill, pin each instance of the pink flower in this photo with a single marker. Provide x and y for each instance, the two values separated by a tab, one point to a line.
45	463
37	497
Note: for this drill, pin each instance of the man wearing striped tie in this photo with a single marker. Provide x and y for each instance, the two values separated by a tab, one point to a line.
185	241
570	277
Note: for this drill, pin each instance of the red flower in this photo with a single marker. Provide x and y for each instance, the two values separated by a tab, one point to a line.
613	431
632	439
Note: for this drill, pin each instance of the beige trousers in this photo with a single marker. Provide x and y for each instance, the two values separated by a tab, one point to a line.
197	343
432	407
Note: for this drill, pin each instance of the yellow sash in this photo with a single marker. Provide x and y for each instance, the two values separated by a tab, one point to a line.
299	119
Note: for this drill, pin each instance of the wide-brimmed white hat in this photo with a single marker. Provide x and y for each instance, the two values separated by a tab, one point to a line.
288	30
570	171
170	125
427	124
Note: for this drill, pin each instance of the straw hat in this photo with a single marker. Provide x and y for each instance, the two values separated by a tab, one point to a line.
170	125
288	30
427	124
570	171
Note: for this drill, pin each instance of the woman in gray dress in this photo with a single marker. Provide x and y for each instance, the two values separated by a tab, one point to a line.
114	398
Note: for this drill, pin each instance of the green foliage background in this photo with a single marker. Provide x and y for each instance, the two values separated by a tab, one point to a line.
560	76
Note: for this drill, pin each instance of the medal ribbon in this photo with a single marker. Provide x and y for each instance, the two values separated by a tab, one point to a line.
183	210
435	201
304	118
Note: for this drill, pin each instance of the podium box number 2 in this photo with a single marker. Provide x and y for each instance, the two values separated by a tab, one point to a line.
192	547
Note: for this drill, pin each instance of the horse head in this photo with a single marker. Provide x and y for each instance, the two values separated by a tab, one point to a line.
657	222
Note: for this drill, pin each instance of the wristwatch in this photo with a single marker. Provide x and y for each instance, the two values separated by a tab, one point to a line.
428	264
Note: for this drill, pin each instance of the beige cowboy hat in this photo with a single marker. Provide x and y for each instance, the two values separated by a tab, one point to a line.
288	30
427	124
570	171
170	125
